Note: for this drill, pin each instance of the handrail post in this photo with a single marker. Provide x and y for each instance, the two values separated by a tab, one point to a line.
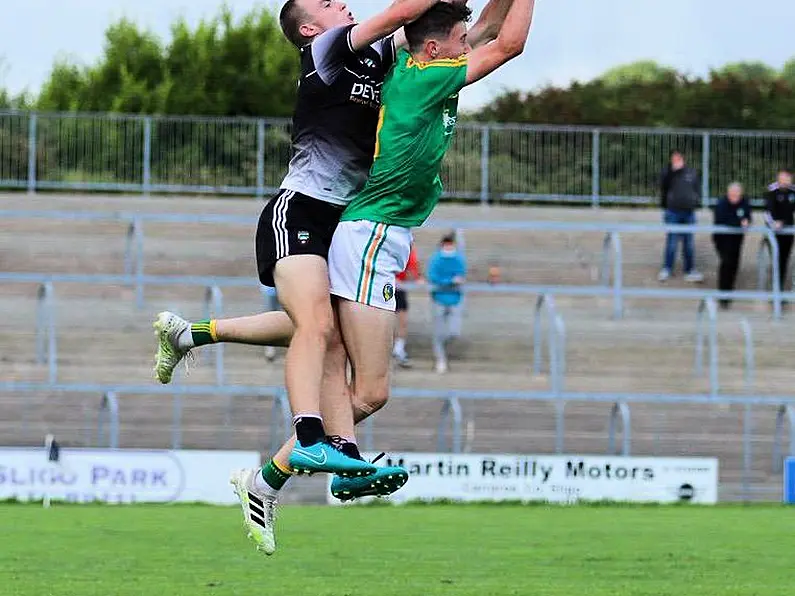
785	415
451	406
605	273
556	338
109	408
560	425
612	242
46	340
214	308
707	306
763	264
776	280
138	237
622	409
750	360
129	255
618	278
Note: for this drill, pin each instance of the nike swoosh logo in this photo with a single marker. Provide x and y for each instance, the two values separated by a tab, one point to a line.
314	459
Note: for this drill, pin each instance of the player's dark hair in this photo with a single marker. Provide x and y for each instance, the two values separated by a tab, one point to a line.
438	21
675	152
291	18
785	171
448	239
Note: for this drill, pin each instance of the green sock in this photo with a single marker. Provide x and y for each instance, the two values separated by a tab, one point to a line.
274	476
203	332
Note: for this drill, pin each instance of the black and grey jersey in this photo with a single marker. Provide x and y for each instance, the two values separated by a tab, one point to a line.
336	116
780	204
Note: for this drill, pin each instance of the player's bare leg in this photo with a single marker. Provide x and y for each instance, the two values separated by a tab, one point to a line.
178	336
368	333
303	288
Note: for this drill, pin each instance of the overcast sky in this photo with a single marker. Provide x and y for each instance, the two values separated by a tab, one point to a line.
571	39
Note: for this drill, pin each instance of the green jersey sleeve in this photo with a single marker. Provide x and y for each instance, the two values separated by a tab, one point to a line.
438	79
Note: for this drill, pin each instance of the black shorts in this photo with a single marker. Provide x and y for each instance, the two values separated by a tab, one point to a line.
293	224
401	300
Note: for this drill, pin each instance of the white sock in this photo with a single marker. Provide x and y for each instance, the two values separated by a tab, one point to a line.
185	339
261	485
400	347
318	416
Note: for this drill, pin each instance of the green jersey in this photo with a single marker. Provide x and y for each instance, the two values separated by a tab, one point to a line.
419	109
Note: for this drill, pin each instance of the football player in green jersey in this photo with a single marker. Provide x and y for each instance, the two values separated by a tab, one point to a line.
419	110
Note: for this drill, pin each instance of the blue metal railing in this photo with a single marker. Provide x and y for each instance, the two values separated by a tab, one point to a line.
612	255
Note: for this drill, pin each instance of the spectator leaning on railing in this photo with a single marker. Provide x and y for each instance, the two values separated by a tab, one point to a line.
780	214
734	211
681	197
447	271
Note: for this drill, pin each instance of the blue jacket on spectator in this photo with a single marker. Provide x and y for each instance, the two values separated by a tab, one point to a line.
443	268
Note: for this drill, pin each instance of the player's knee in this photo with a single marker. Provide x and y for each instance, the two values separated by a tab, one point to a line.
317	323
373	397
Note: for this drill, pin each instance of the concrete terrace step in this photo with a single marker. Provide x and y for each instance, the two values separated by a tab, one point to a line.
102	337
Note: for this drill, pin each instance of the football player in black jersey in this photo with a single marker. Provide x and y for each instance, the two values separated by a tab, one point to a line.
343	66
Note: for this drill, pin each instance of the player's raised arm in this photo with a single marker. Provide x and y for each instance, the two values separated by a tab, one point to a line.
509	43
387	22
487	27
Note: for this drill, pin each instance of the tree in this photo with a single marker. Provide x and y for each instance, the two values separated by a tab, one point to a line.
788	73
220	68
740	95
643	72
748	71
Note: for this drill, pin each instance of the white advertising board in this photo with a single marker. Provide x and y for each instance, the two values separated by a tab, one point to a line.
122	476
559	479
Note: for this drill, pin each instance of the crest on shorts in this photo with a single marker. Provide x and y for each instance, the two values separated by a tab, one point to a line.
303	237
389	292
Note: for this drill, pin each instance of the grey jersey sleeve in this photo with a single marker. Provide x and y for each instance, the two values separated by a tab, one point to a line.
329	52
386	49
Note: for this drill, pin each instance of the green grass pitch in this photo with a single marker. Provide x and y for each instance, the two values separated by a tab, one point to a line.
471	550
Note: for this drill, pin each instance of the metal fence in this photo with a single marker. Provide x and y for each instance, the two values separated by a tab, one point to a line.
487	162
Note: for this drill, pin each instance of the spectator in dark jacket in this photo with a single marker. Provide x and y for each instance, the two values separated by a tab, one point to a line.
681	197
733	211
780	214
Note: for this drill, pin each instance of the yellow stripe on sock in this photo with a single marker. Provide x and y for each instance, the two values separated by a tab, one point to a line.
214	329
283	469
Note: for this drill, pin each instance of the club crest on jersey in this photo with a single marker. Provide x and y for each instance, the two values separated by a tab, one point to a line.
449	122
367	62
303	237
389	292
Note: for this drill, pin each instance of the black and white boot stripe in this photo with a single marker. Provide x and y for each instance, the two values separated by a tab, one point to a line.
256	509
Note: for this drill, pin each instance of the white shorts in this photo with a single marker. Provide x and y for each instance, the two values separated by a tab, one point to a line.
364	259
